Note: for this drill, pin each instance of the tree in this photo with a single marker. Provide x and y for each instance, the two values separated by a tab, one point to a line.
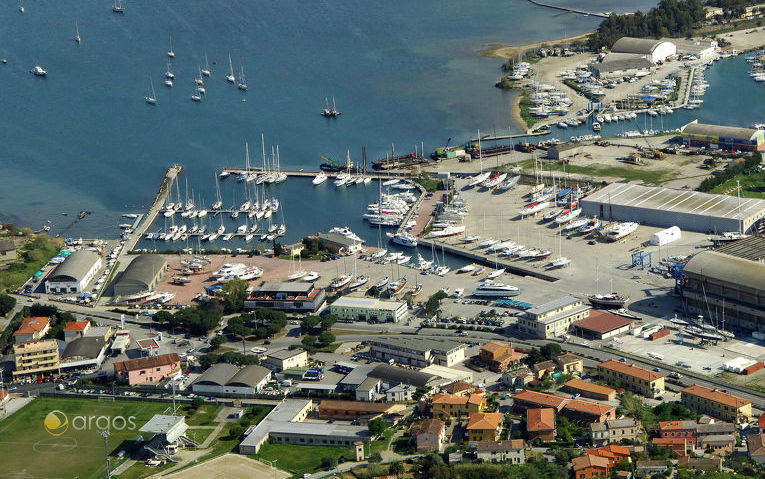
326	338
217	342
235	431
278	249
396	468
375	457
328	320
234	293
309	341
434	303
7	303
328	462
377	426
419	392
162	317
373	291
550	350
310	322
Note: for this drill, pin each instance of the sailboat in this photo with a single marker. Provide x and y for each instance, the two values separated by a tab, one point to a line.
171	52
151	98
561	261
300	272
242	82
359	280
218	203
206	69
169	75
117	7
230	77
196	96
77	37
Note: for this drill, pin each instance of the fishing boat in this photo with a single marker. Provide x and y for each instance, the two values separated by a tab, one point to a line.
609	301
151	97
491	289
340	282
230	77
181	280
320	178
404	239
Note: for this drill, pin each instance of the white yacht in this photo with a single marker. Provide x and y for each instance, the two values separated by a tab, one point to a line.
491	289
621	230
320	178
404	239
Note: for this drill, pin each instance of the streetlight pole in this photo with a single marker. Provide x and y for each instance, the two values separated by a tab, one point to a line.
105	435
2	390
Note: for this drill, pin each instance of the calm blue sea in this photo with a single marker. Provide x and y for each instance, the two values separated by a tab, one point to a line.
401	72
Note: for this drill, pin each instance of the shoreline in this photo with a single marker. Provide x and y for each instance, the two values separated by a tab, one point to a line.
515	112
504	52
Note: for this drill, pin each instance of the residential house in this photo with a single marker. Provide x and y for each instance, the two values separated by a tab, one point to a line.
430	435
459	388
541	424
716	403
7	249
614	453
286	359
756	447
679	445
649	468
686	429
718	444
509	450
500	356
614	431
484	426
75	329
31	329
152	369
589	466
633	378
544	367
589	390
534	399
518	378
586	412
569	363
715	428
449	405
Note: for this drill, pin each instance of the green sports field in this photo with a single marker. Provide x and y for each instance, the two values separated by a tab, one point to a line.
29	451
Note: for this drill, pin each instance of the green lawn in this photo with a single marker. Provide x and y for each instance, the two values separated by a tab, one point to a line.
31	257
300	459
29	451
204	416
380	445
752	186
639	173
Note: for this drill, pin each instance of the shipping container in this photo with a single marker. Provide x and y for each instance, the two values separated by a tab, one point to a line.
659	334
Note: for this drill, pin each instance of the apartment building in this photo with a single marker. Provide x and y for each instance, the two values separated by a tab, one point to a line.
552	319
716	403
639	380
36	357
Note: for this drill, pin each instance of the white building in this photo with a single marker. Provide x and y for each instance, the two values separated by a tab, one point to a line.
74	274
372	310
224	379
418	352
552	319
286	359
653	50
666	236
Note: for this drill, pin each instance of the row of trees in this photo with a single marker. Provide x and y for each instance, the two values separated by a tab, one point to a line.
730	172
671	18
196	319
229	357
259	324
317	331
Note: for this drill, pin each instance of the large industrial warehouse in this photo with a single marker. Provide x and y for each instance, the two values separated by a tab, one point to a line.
653	50
723	137
142	274
689	210
728	284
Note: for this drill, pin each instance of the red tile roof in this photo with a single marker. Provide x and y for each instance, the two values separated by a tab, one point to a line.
432	426
145	363
631	370
540	419
601	322
588	460
76	325
587	386
716	396
588	407
543	399
33	325
485	421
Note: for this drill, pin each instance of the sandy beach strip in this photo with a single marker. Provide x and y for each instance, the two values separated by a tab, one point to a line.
508	51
